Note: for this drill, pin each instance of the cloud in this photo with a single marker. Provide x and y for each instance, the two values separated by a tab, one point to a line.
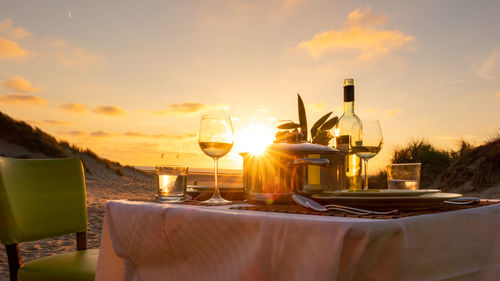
393	112
56	122
76	133
22	99
488	67
174	137
135	134
497	95
100	134
181	108
366	18
76	57
358	33
11	50
50	122
20	84
6	26
75	107
109	110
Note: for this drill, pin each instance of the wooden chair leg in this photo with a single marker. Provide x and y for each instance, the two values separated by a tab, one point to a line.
14	260
81	240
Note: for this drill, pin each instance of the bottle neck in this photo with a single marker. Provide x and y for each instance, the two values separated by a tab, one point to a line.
349	107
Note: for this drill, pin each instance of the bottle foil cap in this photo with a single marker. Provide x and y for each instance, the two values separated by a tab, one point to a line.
348	90
348	82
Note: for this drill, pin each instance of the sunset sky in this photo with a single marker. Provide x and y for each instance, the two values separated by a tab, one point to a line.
130	79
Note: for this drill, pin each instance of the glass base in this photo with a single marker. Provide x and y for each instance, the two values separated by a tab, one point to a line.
214	201
173	199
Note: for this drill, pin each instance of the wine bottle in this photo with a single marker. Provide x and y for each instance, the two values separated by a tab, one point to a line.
342	132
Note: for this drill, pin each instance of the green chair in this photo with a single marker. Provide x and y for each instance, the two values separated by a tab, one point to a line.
42	199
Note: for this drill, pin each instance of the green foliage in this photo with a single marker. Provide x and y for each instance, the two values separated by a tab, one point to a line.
302	117
420	151
434	161
289	126
319	123
479	166
322	137
319	131
447	170
378	181
464	148
330	124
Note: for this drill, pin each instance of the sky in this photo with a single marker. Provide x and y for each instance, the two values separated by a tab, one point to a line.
130	79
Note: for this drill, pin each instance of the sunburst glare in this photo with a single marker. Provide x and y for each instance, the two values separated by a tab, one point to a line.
254	138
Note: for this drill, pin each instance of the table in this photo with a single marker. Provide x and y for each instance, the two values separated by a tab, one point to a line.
151	241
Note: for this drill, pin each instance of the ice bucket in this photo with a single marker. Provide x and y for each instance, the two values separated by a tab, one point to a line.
291	167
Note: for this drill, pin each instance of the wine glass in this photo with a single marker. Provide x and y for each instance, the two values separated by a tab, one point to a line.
366	142
216	137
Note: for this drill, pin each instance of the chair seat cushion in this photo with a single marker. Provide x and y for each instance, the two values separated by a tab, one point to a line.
77	266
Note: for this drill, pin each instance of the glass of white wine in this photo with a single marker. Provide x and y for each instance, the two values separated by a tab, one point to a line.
216	138
366	142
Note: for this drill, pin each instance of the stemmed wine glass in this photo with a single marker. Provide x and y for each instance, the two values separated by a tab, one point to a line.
366	142
216	137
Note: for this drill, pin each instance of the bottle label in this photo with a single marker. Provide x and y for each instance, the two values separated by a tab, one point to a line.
343	143
348	93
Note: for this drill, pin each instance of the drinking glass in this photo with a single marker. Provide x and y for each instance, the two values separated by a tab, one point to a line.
216	137
172	182
403	176
366	142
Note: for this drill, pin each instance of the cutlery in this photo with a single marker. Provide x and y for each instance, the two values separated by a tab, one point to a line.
463	201
309	203
318	207
361	210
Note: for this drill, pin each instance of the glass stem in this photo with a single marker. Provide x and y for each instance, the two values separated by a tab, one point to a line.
216	170
365	162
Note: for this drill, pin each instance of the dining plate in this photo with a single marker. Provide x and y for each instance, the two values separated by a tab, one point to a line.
382	192
420	202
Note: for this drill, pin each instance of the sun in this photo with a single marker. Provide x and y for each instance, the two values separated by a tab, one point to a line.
254	138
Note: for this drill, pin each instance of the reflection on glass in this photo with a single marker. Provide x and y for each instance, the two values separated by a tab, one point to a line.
216	137
366	142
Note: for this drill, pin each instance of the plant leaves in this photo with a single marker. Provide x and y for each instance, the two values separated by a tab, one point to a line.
288	126
318	123
281	136
330	123
302	117
322	137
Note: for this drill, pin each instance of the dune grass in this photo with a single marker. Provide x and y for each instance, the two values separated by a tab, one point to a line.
21	133
447	169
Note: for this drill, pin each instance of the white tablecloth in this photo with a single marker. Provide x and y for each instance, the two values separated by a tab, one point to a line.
150	241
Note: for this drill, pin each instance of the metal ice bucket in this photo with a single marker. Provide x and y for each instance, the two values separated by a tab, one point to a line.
292	167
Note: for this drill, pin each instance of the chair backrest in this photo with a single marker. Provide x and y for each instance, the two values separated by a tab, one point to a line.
41	198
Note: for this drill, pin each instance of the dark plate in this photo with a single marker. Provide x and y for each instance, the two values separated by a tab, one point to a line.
204	192
421	202
270	198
